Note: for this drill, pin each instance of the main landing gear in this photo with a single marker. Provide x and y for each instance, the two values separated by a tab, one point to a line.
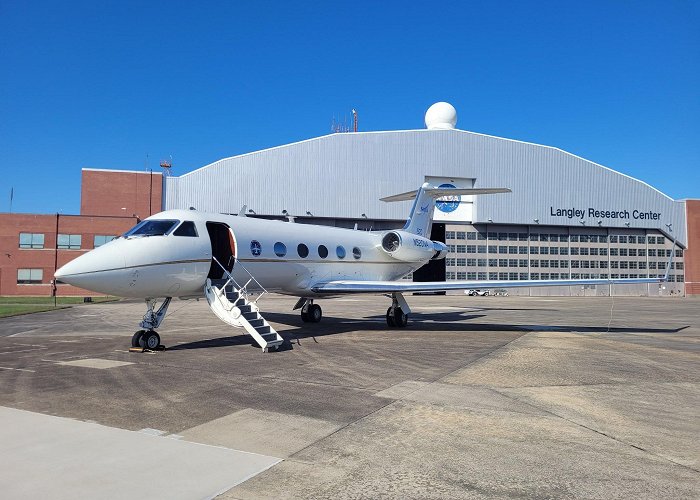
397	314
310	312
148	338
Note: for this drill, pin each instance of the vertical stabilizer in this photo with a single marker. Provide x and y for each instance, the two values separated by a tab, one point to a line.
420	219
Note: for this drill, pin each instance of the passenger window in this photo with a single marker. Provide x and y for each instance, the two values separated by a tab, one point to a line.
356	253
303	250
322	251
187	228
340	252
255	248
280	249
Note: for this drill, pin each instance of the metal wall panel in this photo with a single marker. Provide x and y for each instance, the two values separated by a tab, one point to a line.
344	175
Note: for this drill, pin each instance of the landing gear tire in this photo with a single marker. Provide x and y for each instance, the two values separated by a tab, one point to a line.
396	318
390	319
136	339
311	314
150	340
315	314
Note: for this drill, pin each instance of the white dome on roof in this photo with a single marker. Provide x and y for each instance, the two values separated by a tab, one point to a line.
441	116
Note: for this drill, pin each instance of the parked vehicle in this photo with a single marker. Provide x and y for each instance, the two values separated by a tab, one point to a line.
480	293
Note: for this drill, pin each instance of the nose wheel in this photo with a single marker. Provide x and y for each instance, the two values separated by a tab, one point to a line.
146	339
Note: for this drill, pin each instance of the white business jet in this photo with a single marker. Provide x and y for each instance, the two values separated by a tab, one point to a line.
233	260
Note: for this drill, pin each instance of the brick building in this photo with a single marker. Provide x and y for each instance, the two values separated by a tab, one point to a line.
33	246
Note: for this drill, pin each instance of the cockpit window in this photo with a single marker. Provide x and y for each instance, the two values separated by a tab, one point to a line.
153	227
186	229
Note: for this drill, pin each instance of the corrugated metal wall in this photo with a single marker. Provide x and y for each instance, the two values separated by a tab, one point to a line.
344	175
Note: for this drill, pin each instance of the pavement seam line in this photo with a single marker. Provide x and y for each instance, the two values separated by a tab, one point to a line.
551	412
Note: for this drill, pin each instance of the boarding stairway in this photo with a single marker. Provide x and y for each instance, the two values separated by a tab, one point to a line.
233	304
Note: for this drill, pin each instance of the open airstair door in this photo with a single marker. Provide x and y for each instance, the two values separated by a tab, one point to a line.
223	248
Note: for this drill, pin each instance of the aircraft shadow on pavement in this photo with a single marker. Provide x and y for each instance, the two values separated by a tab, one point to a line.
449	321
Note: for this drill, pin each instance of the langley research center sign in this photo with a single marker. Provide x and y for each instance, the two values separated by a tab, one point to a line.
580	213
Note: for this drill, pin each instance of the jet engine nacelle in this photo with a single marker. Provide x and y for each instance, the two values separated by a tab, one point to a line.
412	248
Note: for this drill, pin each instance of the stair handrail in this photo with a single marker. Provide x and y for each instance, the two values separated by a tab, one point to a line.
243	288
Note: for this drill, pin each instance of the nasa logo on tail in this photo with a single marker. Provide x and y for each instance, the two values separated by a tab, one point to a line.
447	204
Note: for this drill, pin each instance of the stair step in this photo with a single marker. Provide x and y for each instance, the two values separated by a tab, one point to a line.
262	330
269	337
245	308
250	315
256	322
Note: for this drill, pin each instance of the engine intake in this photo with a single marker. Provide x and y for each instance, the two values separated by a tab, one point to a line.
410	247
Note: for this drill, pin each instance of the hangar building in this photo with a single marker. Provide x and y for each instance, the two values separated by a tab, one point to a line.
566	217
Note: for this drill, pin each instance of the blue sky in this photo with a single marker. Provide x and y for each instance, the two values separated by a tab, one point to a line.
103	84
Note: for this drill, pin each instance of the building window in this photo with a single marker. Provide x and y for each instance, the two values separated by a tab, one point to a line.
450	262
101	239
322	251
461	248
461	235
449	235
280	249
69	241
29	276
481	262
471	235
340	252
469	262
461	275
31	240
302	250
471	248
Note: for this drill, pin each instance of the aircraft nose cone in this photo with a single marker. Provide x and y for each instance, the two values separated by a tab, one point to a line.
98	270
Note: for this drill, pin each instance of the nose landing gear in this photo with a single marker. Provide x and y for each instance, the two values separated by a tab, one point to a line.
148	338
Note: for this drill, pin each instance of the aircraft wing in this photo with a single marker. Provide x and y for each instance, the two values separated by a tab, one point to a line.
346	286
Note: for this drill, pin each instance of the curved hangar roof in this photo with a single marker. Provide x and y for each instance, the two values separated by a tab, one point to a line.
344	175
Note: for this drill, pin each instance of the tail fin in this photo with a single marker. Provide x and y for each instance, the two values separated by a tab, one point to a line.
420	219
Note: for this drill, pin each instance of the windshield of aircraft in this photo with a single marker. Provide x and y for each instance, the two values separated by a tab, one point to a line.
153	227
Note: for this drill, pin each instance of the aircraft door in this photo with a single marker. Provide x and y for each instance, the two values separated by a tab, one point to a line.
223	247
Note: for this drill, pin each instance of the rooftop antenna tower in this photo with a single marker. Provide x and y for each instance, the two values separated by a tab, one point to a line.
166	165
354	120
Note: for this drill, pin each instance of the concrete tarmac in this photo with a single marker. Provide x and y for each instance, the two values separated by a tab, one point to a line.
480	397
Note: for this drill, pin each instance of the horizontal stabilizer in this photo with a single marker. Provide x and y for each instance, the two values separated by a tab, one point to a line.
440	192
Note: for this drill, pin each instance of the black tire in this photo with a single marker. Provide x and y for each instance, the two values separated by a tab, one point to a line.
150	340
486	293
305	316
136	339
315	313
391	323
400	318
